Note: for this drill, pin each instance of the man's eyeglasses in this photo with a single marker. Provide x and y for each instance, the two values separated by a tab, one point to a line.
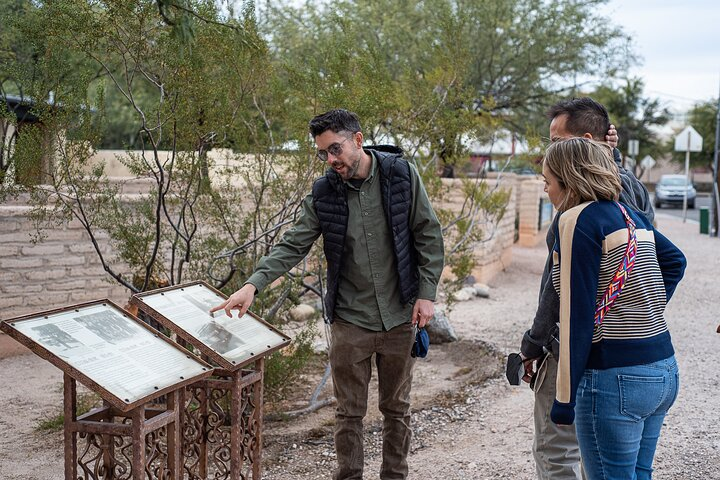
335	149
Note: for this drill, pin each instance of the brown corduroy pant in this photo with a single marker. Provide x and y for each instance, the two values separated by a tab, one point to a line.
351	352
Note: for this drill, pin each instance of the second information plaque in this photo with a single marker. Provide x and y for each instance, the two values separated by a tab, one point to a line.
230	342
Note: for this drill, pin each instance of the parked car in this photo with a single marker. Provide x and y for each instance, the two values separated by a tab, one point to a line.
670	190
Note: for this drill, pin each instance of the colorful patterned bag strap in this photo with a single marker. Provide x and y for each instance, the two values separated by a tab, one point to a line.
618	281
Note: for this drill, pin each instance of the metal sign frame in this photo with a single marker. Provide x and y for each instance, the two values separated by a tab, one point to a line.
8	326
138	300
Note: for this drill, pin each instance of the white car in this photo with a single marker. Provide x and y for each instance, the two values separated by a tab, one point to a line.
670	190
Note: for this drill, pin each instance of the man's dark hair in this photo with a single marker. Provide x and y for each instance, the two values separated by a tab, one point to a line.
338	120
585	115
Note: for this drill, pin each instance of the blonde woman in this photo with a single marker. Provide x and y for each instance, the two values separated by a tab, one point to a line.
617	375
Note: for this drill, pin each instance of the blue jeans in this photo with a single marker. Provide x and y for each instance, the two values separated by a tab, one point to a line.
618	416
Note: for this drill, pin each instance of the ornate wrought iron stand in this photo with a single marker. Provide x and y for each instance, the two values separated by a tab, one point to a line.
222	425
109	444
222	421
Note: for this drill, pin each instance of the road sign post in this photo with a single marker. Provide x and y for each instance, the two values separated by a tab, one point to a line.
633	147
647	163
632	151
689	140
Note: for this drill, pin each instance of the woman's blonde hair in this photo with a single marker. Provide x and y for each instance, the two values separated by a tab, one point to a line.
585	169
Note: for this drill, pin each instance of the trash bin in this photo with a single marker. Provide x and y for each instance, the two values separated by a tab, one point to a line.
704	220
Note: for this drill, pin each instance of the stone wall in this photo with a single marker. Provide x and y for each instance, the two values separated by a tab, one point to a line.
115	168
65	269
530	232
61	270
494	252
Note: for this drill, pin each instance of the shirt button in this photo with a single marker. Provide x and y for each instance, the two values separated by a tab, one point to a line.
369	234
377	275
366	214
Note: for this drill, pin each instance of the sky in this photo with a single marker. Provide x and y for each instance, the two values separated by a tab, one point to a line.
679	42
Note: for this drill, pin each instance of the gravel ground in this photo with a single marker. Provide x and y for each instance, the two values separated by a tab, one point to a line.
482	430
488	435
495	441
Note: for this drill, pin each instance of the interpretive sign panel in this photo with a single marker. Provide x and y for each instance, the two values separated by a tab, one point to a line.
109	350
231	342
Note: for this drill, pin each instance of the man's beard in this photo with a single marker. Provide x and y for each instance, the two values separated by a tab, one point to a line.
352	170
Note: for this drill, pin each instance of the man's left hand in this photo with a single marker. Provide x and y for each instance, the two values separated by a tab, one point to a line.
423	312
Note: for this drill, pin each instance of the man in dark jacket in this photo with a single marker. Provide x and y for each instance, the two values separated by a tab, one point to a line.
555	448
384	252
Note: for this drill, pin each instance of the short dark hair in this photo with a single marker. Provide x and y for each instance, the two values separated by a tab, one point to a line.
338	120
585	115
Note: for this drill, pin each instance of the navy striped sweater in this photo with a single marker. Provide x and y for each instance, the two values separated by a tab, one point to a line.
590	243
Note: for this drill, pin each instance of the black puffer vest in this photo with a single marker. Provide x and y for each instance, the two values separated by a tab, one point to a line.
330	201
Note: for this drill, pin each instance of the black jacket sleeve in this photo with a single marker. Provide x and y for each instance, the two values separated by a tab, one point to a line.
544	327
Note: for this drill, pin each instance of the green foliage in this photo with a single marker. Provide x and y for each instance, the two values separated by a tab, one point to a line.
346	55
431	76
178	100
179	80
525	52
483	207
54	423
283	366
15	49
634	115
510	57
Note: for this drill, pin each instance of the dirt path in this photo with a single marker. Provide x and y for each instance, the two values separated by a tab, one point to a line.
482	431
489	434
495	441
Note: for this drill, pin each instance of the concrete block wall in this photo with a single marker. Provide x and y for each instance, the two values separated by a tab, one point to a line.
65	269
61	270
494	253
114	167
529	194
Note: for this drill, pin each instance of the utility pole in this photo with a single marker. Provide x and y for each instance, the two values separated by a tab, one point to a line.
687	174
716	197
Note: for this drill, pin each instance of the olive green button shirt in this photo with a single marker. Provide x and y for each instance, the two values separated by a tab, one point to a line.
368	293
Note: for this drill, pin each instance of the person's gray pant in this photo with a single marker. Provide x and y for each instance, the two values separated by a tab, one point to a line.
351	352
555	447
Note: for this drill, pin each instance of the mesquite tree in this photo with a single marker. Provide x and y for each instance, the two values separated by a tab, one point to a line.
178	81
183	100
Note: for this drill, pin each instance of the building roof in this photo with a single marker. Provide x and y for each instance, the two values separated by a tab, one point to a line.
22	108
502	142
